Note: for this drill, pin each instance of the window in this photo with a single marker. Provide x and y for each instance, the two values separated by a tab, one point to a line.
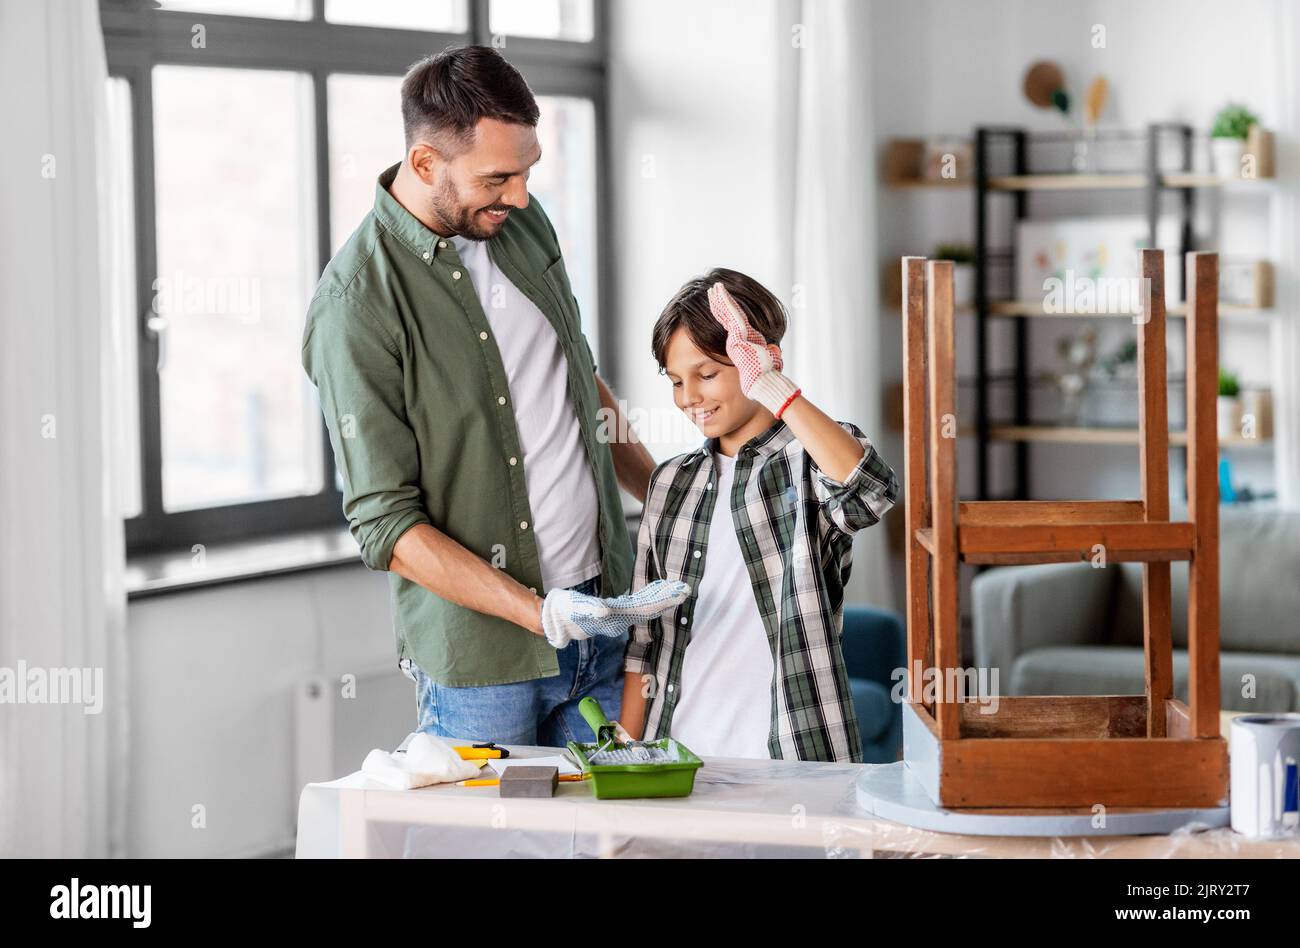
236	255
281	9
365	127
548	19
447	16
254	145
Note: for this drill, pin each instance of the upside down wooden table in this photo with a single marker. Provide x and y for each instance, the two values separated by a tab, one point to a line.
1050	751
750	808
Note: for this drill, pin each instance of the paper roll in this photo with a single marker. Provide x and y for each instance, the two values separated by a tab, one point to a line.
1263	751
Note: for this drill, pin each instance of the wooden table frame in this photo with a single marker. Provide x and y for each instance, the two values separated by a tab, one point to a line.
1046	750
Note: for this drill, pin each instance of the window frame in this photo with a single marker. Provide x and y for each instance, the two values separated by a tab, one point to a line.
138	37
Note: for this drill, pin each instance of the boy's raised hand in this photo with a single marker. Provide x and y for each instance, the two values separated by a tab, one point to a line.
745	345
757	360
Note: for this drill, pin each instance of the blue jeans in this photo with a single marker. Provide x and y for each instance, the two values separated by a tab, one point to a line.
541	712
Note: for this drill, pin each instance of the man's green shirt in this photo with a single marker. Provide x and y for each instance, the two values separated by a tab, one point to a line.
418	407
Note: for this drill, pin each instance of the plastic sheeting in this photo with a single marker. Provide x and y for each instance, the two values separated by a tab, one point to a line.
739	808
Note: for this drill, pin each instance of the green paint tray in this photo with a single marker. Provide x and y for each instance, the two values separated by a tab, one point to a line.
670	774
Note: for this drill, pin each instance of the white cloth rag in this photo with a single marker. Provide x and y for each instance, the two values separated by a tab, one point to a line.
427	760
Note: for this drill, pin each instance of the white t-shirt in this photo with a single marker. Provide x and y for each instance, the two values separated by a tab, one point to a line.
561	487
724	708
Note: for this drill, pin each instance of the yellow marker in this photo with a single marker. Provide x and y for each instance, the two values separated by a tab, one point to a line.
487	782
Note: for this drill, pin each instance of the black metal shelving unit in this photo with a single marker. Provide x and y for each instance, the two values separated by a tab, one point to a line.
1154	187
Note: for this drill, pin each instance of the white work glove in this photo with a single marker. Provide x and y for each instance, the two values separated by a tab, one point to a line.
568	616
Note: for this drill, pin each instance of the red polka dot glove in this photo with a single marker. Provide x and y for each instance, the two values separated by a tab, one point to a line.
758	361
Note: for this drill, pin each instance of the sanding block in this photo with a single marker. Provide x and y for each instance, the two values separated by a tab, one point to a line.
522	781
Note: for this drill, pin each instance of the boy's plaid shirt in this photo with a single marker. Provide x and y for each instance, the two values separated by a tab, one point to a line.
795	529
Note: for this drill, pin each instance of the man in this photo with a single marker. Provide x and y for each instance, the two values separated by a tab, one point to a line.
462	404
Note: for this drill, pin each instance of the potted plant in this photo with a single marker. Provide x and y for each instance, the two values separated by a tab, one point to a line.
1228	139
963	271
1228	405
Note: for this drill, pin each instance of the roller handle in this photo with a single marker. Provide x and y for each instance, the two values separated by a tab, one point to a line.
594	715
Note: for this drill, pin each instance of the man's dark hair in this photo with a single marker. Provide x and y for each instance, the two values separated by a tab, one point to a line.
689	308
444	96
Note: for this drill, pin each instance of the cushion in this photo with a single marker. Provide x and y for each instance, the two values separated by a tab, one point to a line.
1259	586
874	708
1118	670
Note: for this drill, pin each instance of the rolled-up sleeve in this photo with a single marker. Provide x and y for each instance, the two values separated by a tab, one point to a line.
357	370
862	498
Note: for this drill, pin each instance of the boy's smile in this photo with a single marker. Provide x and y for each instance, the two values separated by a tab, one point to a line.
708	392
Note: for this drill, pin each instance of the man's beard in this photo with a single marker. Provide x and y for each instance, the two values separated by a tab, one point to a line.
461	220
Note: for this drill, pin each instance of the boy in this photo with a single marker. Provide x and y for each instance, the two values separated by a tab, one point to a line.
759	524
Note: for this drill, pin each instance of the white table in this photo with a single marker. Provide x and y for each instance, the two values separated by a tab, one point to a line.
740	808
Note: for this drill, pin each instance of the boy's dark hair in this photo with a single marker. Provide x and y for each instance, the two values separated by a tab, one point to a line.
444	96
689	309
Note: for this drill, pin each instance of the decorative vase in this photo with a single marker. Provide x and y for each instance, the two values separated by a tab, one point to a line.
1226	154
1229	417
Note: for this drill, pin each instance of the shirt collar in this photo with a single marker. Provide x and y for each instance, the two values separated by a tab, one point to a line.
403	225
766	444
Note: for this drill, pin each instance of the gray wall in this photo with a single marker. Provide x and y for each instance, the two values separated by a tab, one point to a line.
215	676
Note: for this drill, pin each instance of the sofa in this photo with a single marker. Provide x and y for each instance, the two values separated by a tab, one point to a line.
874	646
1074	629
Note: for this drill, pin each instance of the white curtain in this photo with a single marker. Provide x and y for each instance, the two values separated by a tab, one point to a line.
62	606
835	327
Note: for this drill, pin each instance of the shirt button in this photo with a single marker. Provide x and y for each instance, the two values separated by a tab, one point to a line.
670	687
501	399
523	524
442	245
683	620
697	554
514	461
482	335
455	274
709	486
426	255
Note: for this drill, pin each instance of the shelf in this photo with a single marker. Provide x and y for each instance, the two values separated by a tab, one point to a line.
1102	182
1201	179
1067	182
1035	308
1096	435
1129	179
937	183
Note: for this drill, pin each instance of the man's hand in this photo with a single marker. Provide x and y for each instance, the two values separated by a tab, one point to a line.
568	616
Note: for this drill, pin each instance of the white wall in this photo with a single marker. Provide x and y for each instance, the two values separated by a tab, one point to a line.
944	66
214	678
699	113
